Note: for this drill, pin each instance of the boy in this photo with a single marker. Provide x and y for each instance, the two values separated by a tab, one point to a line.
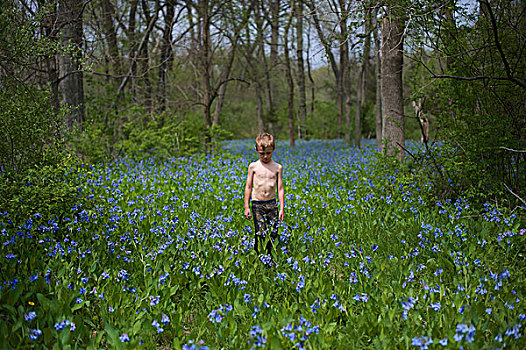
265	177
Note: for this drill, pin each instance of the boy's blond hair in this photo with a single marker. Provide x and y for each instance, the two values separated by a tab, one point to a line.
265	140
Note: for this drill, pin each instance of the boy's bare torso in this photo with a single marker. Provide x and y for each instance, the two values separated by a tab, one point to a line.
264	181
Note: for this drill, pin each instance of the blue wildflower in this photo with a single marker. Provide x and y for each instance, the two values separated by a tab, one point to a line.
258	339
154	300
256	310
443	342
30	316
423	342
470	336
192	346
34	334
436	306
61	325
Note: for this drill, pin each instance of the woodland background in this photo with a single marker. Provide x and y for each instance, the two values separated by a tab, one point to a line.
101	80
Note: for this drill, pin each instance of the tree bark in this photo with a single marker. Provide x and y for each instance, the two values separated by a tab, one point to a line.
344	98
309	74
205	53
50	31
166	55
259	109
358	109
266	71
392	88
378	73
108	16
70	84
275	6
144	56
362	78
290	81
301	68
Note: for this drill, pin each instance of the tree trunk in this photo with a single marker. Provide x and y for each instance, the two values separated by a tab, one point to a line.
266	71
309	73
70	75
144	56
166	55
205	69
332	60
378	81
259	109
49	31
275	6
344	98
290	82
301	68
392	89
133	44
362	79
358	110
108	16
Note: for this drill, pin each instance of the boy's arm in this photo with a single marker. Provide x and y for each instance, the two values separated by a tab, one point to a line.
281	194
248	190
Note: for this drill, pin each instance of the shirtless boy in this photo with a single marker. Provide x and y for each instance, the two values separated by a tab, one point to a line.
264	178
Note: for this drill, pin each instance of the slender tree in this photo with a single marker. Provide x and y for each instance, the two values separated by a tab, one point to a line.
300	76
166	54
108	20
144	54
343	9
267	83
392	88
70	74
290	81
274	21
362	76
378	104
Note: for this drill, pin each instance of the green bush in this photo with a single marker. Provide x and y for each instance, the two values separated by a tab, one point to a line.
49	190
323	123
31	131
173	137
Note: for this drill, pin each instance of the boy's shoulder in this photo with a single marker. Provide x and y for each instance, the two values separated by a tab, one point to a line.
253	166
277	165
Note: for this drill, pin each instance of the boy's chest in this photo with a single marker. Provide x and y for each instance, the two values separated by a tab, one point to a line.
263	173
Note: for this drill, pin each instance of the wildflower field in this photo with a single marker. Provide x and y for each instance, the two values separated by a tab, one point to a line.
164	259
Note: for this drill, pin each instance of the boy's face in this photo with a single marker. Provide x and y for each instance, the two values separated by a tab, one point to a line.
265	155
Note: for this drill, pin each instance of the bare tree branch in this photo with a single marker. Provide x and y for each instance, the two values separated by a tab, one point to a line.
512	150
516	196
499	46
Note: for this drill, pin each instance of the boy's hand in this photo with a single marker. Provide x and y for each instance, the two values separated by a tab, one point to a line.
281	215
247	213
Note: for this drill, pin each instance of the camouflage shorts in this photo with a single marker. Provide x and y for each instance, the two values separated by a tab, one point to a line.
265	215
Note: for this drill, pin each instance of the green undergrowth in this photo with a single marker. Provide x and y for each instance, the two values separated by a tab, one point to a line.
366	259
